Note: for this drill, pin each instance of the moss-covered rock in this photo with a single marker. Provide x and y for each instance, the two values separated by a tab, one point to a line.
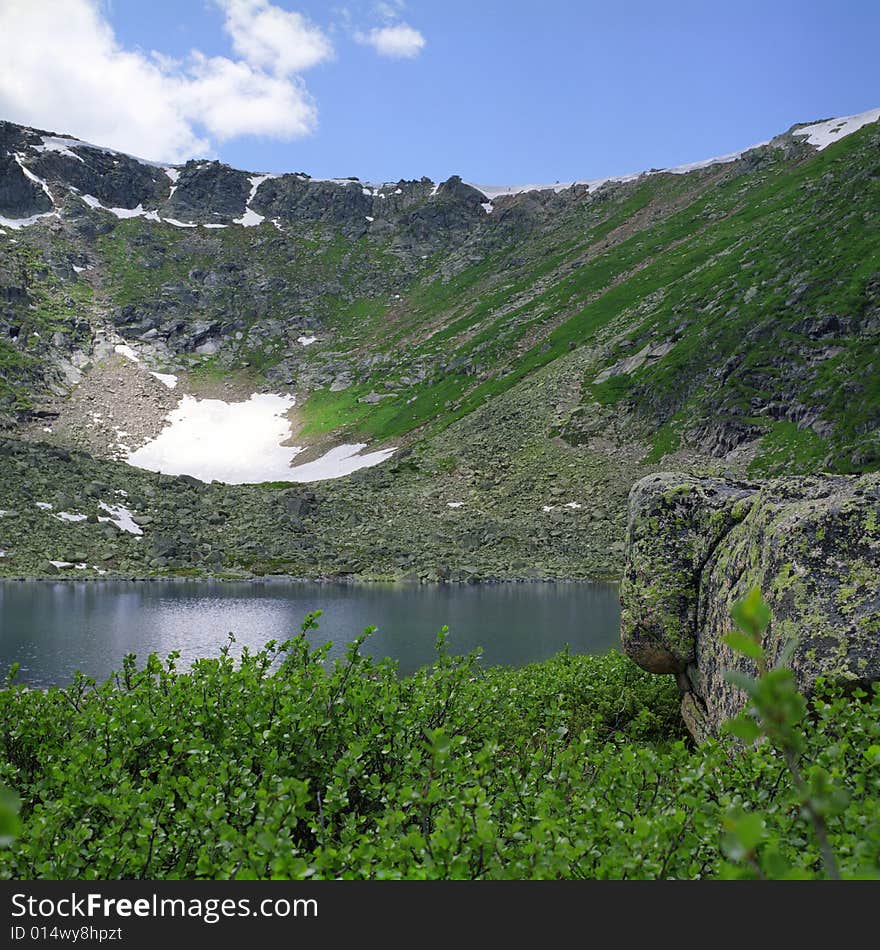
696	546
675	524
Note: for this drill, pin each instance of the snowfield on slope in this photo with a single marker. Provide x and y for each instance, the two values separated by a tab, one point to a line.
822	134
240	443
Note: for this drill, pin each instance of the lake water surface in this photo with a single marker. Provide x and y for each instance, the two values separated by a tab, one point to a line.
54	628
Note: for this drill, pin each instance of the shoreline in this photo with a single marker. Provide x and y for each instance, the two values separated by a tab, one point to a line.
345	581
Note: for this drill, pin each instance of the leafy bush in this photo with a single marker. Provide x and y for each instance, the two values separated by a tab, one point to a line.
279	766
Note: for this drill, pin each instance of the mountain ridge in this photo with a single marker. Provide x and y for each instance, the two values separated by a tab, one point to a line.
820	133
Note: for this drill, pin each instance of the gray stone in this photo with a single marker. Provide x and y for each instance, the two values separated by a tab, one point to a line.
696	546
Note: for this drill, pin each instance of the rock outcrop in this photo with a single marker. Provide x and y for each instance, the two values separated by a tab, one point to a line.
695	546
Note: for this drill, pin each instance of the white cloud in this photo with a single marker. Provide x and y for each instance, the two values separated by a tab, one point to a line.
281	41
231	99
389	9
65	70
399	41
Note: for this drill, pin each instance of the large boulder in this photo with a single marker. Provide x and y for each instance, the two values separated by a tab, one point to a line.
697	545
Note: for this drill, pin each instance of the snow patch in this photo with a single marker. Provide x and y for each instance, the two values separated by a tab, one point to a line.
338	462
241	443
32	177
179	224
60	564
250	218
121	517
822	134
488	207
121	213
123	349
454	504
172	173
238	443
55	143
16	223
44	505
306	340
68	516
166	379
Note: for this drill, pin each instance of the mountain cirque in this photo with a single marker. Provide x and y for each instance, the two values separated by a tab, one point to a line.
528	354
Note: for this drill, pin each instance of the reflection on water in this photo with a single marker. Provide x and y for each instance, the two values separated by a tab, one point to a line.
52	629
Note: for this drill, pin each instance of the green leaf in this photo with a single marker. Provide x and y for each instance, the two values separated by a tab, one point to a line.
749	829
10	805
751	613
745	644
743	727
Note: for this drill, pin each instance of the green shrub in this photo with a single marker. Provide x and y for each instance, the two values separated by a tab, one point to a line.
281	766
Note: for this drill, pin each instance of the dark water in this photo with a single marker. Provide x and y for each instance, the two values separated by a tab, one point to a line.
52	629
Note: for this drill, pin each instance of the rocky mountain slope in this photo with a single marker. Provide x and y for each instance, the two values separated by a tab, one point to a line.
528	354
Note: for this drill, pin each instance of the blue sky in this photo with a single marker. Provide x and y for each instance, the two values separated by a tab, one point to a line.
499	92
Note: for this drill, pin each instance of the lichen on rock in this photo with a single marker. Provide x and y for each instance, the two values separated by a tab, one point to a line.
695	546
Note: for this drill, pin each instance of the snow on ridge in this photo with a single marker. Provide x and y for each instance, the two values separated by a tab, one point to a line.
80	143
706	162
497	191
822	134
57	143
818	134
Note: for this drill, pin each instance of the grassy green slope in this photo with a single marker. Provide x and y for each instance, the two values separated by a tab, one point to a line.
742	277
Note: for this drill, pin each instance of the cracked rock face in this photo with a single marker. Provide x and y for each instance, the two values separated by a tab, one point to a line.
695	546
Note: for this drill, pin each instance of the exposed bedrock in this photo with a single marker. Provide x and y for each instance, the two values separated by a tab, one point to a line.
697	545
